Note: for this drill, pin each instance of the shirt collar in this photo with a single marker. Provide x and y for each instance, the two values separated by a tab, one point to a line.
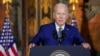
57	26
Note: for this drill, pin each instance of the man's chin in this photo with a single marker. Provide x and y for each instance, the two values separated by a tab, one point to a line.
61	24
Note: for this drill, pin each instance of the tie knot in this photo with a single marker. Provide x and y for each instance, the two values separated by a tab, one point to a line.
60	28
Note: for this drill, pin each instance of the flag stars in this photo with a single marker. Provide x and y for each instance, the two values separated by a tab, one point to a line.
6	26
7	41
7	20
5	47
9	34
3	44
3	30
9	30
6	38
11	40
1	41
73	22
1	37
2	33
6	33
4	41
8	44
11	37
7	23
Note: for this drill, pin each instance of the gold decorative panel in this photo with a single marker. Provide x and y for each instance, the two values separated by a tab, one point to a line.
45	11
32	19
38	12
35	14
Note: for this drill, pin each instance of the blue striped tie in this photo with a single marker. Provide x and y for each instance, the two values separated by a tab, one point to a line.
59	33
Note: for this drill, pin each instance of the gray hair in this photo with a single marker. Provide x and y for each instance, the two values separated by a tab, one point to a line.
60	4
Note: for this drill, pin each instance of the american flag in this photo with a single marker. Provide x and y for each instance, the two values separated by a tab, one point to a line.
73	22
7	44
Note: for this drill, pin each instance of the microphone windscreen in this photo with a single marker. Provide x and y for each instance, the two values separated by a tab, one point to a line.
63	34
55	35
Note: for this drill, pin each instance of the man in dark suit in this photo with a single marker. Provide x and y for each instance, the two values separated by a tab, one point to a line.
59	33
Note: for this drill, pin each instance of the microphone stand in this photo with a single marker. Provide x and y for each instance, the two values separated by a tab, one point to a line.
59	40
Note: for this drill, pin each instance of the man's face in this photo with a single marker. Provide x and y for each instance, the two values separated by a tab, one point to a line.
60	15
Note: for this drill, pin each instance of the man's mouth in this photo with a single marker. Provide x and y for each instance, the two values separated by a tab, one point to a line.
60	20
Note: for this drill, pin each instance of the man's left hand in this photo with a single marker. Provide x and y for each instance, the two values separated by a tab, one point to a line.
86	45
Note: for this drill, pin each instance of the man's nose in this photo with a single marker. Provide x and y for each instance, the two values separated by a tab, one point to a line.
61	16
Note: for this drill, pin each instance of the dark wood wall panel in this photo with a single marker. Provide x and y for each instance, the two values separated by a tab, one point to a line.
94	30
2	14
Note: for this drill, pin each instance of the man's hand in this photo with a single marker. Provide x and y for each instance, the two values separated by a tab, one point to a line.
31	45
86	45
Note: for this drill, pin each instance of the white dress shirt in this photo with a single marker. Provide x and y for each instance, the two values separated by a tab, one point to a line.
57	27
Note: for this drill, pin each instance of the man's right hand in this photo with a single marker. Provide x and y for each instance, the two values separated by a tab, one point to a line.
31	45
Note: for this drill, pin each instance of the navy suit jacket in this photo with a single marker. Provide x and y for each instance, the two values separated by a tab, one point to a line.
47	35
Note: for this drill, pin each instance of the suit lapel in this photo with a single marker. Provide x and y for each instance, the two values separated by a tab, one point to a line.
66	27
53	26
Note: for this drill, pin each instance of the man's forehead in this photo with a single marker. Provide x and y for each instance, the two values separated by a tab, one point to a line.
60	5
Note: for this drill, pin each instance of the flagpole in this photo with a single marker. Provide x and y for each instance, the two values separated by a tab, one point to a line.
6	37
7	2
73	4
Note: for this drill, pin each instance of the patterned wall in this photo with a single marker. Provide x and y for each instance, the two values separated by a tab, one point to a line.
36	13
2	10
39	12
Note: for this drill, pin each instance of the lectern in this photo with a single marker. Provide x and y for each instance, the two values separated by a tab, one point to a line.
59	51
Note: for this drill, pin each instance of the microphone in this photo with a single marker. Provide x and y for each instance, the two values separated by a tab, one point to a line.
63	35
55	35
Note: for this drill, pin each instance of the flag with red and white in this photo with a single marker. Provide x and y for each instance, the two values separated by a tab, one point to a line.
7	44
73	22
